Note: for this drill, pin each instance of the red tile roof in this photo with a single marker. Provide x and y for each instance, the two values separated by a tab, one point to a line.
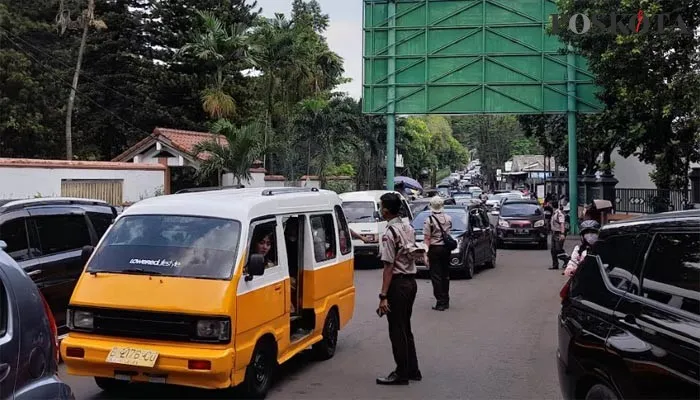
184	141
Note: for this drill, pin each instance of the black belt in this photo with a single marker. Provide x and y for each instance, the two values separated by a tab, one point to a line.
404	276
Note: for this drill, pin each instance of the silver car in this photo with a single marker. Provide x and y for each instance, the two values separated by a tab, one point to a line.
28	345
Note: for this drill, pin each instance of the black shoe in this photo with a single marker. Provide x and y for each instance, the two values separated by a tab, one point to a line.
417	376
392	379
439	307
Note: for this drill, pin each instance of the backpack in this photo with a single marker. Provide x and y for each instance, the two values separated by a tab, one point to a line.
413	251
450	242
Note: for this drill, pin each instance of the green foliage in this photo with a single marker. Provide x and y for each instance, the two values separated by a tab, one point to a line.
339	186
427	142
345	169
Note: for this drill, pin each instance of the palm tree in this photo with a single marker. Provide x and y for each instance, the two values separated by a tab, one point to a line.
233	150
219	46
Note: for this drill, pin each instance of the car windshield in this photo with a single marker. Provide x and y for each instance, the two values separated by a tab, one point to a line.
458	196
458	215
359	211
520	210
198	247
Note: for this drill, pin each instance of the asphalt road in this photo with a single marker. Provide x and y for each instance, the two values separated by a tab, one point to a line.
497	341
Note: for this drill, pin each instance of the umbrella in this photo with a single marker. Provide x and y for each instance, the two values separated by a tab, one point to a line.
408	182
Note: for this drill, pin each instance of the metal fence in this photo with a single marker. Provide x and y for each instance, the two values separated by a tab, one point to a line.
647	201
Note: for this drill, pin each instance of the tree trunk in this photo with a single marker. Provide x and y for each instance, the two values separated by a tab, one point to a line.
71	96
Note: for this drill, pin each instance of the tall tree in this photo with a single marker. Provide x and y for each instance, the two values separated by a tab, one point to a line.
85	21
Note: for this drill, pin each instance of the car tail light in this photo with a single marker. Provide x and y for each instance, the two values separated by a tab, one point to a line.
564	292
53	327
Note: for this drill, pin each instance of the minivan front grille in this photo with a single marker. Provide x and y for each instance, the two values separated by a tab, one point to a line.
144	325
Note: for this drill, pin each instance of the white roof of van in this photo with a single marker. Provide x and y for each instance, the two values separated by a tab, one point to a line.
367	195
238	204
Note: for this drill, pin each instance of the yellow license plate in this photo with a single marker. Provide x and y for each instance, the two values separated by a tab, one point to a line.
131	356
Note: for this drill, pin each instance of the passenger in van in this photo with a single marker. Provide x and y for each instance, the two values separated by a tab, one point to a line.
291	238
263	243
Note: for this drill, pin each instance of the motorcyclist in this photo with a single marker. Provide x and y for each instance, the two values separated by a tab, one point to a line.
589	235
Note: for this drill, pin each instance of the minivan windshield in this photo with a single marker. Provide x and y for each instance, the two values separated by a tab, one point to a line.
520	210
183	246
458	215
359	211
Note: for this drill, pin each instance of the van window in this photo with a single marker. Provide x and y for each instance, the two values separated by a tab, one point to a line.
264	242
323	231
199	247
672	271
59	233
343	231
359	211
101	222
619	253
14	233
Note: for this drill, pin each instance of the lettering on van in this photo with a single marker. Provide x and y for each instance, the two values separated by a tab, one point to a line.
156	263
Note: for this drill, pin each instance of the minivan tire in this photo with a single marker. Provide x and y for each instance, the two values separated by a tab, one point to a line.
259	373
601	392
111	385
469	265
325	349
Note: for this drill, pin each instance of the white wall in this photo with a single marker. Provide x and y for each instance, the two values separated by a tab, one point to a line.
257	180
20	183
632	173
147	158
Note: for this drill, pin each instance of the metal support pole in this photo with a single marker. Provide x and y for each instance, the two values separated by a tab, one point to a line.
573	151
391	97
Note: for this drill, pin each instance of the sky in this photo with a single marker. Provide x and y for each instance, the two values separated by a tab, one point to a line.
344	34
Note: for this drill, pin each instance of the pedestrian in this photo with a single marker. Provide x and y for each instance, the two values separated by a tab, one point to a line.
558	228
398	292
589	235
435	228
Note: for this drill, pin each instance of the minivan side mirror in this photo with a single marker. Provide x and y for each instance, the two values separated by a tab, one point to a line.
255	267
377	217
86	253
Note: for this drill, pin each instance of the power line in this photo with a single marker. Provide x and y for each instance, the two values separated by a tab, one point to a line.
47	68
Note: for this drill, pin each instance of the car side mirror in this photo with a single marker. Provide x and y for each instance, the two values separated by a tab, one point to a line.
377	217
86	253
255	267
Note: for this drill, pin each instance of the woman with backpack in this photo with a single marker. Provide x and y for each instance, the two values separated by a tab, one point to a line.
436	232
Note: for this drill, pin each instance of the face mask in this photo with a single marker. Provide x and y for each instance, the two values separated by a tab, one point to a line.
590	238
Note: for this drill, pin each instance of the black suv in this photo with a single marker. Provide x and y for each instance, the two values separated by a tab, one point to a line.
629	326
522	221
474	234
46	238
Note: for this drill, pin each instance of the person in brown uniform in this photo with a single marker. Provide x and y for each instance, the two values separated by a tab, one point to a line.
438	258
398	292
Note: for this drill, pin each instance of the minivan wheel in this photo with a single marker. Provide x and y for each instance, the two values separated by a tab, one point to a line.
492	261
258	374
601	392
469	266
110	385
325	349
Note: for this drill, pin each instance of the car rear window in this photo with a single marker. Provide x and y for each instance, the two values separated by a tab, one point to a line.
520	210
459	219
200	247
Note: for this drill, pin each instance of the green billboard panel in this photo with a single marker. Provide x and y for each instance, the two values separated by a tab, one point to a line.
467	57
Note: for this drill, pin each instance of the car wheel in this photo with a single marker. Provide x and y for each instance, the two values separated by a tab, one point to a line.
469	266
492	261
601	392
258	374
111	385
325	349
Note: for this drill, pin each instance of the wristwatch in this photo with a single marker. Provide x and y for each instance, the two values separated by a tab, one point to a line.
382	296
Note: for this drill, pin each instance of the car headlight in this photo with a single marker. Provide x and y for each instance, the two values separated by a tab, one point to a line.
459	245
78	319
213	330
539	223
503	223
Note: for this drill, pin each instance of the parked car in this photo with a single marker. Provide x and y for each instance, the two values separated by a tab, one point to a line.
494	201
629	325
46	237
474	234
28	338
522	221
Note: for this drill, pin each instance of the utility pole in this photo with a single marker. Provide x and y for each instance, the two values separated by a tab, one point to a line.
391	98
573	150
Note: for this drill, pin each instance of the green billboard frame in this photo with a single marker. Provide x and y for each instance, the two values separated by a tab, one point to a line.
456	57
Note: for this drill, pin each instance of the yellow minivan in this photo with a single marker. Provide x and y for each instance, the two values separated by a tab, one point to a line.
212	289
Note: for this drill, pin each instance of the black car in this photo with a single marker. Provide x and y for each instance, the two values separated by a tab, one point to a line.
46	237
474	234
423	204
522	221
629	326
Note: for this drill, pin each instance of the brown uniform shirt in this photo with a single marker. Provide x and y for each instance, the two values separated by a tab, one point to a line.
403	264
432	230
558	221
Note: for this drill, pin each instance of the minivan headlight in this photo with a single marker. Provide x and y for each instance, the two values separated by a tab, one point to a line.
503	223
214	330
539	223
79	319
